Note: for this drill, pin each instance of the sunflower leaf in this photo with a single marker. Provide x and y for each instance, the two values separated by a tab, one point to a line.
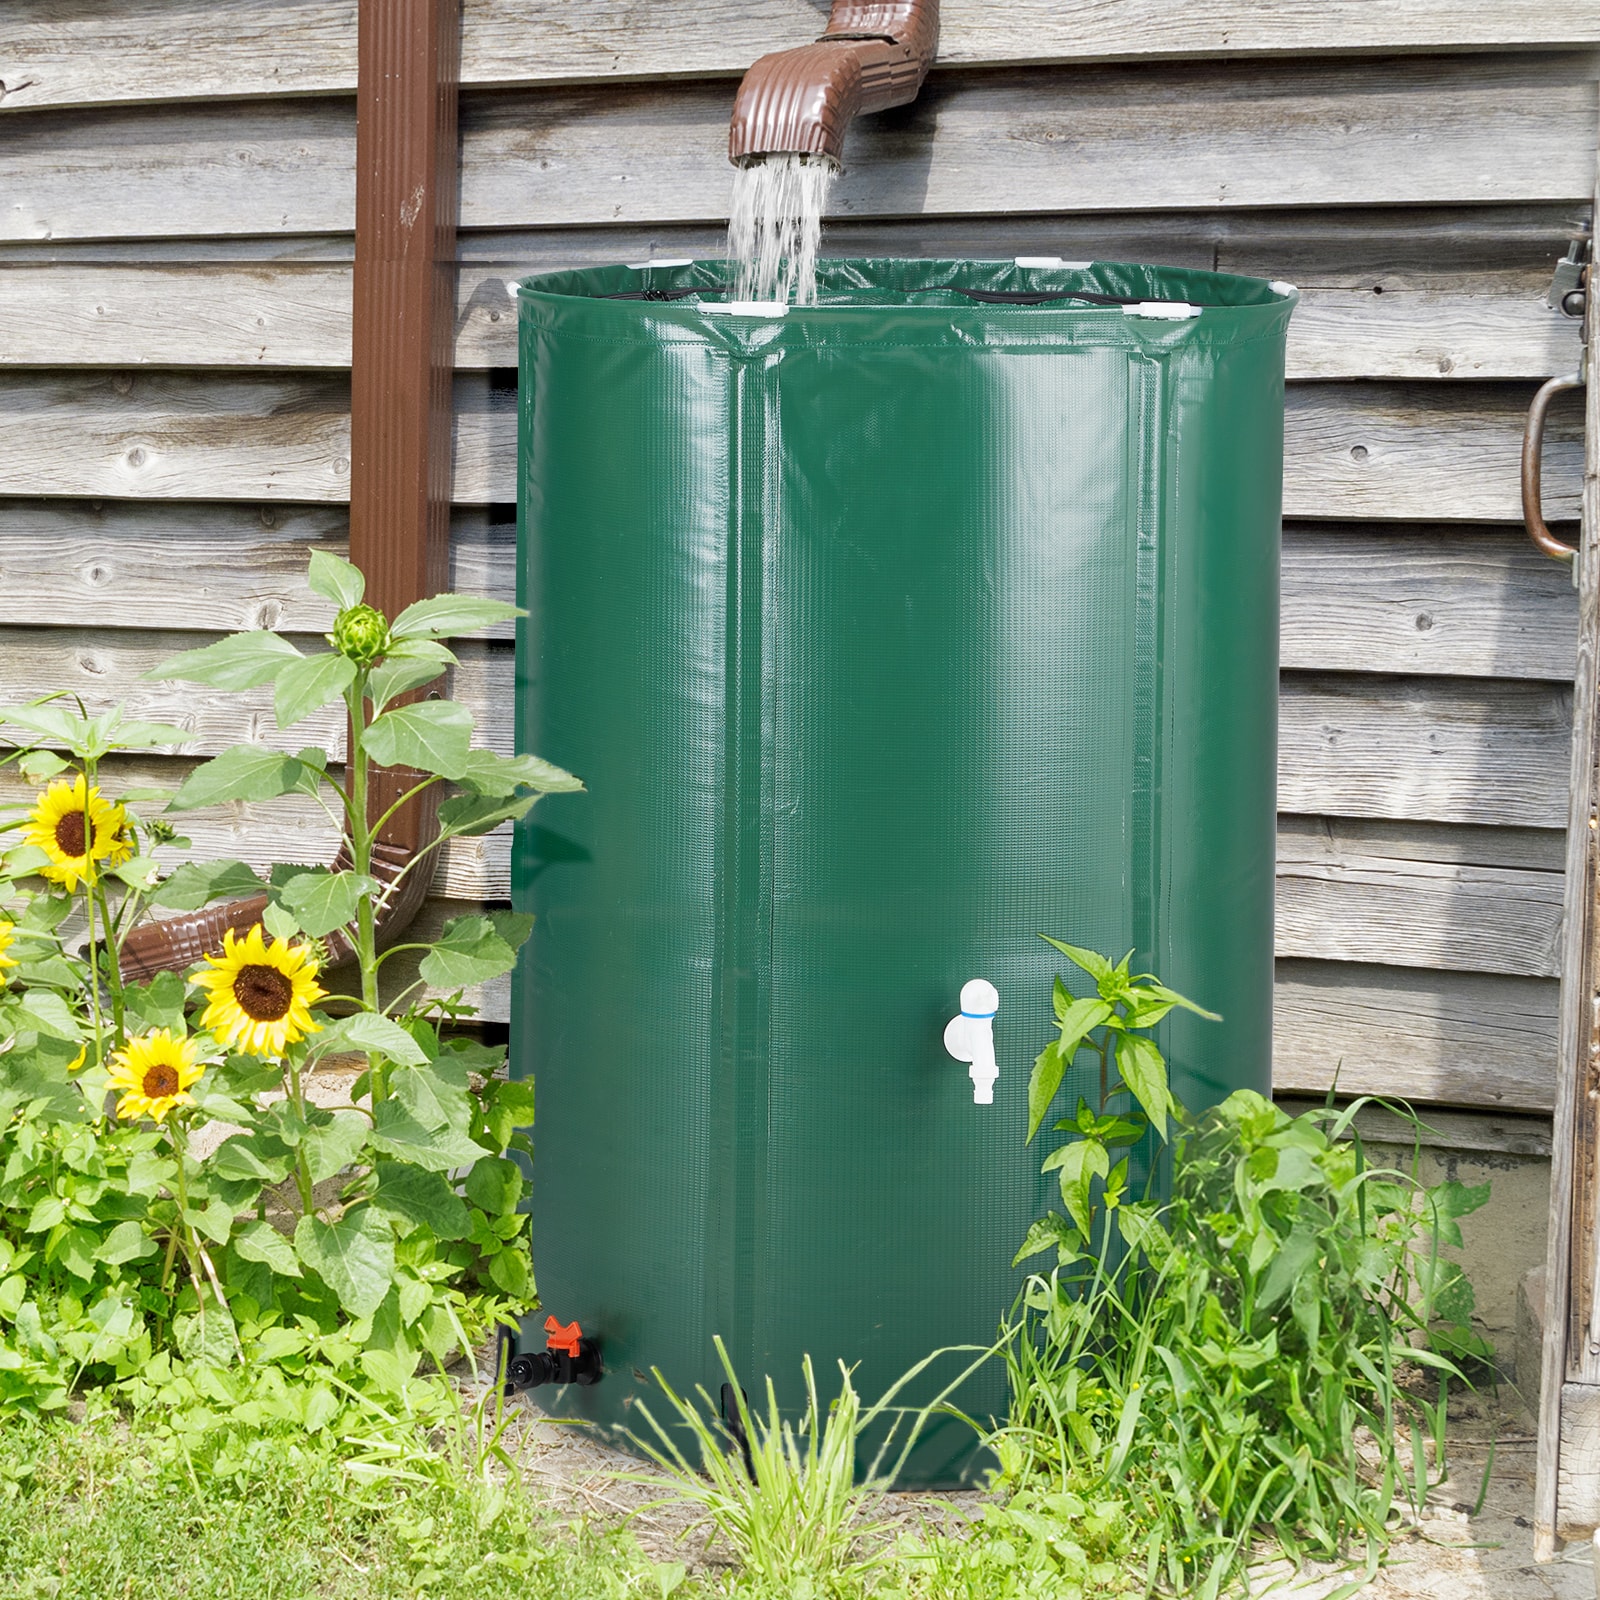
492	774
139	873
335	579
259	1241
331	1146
466	815
309	684
448	614
407	665
243	773
324	901
365	1031
495	1185
433	736
198	883
397	1133
469	950
433	1102
353	1256
241	661
417	1199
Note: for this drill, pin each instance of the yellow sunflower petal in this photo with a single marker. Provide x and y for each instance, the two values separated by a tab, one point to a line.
78	829
153	1073
260	994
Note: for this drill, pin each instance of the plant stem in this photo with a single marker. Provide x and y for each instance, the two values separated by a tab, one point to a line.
114	956
297	1099
183	1207
361	859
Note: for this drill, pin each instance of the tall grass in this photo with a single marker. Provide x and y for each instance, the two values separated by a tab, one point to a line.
1242	1362
785	1495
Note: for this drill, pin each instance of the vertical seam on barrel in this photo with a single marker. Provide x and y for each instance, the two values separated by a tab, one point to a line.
1147	412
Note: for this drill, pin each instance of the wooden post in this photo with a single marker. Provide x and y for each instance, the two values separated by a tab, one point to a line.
1567	1492
403	336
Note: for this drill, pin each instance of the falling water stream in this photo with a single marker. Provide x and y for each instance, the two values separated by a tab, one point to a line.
774	226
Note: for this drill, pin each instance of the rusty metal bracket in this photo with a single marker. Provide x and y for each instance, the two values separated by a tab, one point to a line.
1533	464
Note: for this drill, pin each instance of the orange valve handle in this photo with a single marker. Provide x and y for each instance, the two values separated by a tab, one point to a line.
565	1339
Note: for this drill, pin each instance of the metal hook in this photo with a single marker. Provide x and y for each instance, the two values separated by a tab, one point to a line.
1532	466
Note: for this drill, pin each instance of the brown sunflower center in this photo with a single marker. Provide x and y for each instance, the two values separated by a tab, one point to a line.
72	833
160	1080
263	993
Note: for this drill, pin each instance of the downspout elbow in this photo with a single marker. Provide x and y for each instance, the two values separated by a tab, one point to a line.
800	102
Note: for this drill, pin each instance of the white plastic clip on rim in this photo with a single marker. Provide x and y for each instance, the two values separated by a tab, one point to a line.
1287	290
1162	310
749	308
661	261
1053	261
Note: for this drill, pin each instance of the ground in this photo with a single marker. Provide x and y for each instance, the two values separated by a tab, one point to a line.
1451	1555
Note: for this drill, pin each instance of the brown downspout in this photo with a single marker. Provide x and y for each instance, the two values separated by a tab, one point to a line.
873	55
402	361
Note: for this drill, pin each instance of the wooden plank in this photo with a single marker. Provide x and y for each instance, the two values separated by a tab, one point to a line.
1431	600
106	668
1404	748
1425	748
1339	901
1567	1478
1453	898
1449	603
1507	248
1381	451
1446	1037
297	315
113	564
147	50
1465	130
1578	1496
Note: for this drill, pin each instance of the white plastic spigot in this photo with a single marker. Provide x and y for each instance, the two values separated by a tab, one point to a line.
970	1037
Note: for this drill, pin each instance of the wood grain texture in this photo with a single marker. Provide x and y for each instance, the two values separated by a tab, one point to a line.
1578	1494
1429	599
111	564
1463	130
1424	748
1426	600
297	315
144	50
1339	901
1448	1037
1413	452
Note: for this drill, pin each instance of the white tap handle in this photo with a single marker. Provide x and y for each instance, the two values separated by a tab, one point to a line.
969	1037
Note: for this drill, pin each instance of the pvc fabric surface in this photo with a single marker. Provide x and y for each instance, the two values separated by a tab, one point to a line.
887	634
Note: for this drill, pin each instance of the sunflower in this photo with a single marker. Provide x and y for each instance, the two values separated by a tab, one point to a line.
261	994
8	931
76	828
154	1073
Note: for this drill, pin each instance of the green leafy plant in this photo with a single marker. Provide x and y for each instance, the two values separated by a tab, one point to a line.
1232	1362
319	1249
784	1494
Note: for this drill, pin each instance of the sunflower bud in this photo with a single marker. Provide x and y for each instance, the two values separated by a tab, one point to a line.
360	633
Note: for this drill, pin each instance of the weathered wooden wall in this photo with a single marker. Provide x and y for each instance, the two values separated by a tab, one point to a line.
176	199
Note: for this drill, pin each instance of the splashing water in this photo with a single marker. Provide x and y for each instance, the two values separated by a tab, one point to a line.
775	225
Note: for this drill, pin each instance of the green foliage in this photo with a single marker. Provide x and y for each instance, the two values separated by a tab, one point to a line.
318	1252
1207	1363
353	1504
784	1494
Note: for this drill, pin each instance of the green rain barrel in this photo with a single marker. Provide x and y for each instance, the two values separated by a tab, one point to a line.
886	633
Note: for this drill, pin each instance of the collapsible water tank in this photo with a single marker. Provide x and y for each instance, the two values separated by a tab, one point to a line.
887	634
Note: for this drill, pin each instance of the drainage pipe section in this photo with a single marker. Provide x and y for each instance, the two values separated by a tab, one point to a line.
874	54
